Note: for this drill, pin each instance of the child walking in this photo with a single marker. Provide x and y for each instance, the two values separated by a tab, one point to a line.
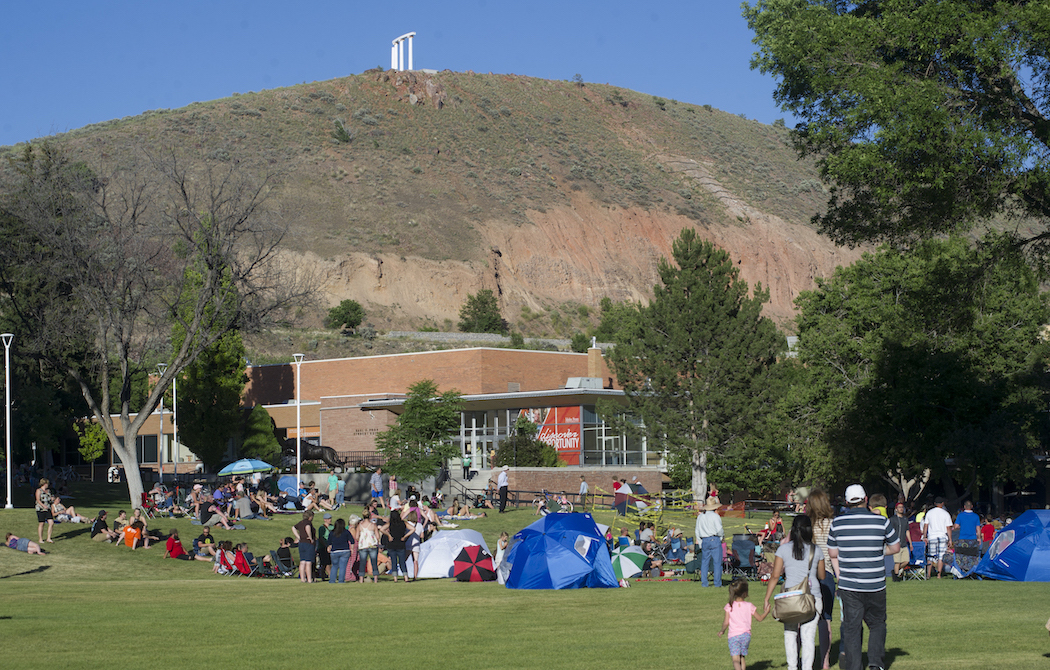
738	620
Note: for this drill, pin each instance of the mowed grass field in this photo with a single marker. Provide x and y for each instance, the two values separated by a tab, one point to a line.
93	605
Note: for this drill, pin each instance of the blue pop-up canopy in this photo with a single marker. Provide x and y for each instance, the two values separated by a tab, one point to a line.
1021	550
560	551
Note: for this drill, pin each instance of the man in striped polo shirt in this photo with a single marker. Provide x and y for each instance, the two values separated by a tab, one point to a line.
857	541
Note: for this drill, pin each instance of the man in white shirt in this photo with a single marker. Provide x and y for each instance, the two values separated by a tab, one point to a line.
709	535
937	533
503	482
584	490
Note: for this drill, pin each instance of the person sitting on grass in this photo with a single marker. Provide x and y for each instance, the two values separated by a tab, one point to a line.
141	518
134	537
120	524
205	544
173	549
266	507
100	531
23	544
212	514
65	514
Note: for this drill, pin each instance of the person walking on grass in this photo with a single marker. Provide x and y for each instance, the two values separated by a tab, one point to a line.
799	560
738	622
857	542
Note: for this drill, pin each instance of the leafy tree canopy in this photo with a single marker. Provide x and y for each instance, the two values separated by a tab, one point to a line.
420	442
694	360
259	439
925	116
480	314
927	363
347	315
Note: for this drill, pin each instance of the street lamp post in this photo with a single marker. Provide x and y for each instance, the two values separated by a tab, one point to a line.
298	419
175	431
8	337
161	369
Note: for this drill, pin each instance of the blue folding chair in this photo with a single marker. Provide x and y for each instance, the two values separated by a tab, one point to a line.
916	568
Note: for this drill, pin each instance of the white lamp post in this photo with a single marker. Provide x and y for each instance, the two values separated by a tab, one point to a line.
298	420
175	431
7	337
161	369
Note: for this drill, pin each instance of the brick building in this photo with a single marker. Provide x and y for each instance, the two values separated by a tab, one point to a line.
346	402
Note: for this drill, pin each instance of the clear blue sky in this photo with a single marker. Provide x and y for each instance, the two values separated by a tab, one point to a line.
68	64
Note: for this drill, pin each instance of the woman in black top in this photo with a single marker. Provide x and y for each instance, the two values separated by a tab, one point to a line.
306	536
395	532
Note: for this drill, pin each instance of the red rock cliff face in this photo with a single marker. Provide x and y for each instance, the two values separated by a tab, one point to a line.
583	253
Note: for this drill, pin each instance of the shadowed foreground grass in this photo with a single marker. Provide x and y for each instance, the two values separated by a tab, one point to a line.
87	605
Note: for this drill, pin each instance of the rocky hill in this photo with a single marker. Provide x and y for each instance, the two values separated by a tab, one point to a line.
407	191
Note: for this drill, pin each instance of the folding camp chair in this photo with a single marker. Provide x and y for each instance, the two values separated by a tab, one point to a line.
149	508
286	569
745	549
242	563
916	568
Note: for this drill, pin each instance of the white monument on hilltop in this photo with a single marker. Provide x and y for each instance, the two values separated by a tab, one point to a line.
397	52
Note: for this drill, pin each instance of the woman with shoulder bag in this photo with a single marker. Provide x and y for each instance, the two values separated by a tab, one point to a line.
820	513
802	564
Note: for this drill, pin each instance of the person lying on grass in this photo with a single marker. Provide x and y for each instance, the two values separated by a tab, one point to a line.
23	544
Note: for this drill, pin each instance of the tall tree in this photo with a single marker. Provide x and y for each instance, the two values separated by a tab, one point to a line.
926	117
98	262
926	365
694	360
209	397
421	442
480	314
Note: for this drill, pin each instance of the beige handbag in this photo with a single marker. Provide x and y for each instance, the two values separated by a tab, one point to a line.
795	604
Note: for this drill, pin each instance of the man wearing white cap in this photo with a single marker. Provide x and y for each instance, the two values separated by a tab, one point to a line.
503	482
857	541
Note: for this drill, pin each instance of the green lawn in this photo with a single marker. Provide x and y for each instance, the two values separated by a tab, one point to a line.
95	605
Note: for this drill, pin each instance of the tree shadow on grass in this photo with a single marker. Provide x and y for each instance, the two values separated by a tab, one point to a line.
27	572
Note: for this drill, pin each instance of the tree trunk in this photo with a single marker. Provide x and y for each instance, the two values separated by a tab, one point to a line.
699	461
132	474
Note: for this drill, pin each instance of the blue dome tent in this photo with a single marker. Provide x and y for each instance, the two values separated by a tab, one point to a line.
560	551
1021	550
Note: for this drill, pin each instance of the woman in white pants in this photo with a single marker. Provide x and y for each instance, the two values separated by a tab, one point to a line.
798	559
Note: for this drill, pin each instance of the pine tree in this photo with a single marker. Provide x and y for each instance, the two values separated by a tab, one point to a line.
692	362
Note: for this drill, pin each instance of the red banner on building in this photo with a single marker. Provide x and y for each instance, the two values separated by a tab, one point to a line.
560	428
